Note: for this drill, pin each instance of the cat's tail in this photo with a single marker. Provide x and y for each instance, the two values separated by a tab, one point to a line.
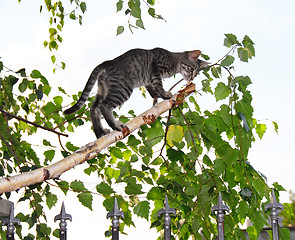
96	73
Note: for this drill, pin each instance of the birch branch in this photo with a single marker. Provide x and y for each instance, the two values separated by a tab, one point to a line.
90	150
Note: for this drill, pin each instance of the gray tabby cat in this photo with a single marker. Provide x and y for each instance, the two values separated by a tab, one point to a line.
138	67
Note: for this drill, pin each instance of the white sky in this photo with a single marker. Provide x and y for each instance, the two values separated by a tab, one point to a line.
191	24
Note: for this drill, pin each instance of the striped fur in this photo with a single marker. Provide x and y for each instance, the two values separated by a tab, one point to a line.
138	67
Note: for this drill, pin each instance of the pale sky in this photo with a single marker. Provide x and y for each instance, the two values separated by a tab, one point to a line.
191	24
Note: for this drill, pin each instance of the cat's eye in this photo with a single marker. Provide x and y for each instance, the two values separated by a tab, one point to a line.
188	68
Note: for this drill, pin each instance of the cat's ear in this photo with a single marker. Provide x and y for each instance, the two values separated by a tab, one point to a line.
193	55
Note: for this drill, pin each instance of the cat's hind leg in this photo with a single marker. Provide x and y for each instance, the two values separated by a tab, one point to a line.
107	112
96	116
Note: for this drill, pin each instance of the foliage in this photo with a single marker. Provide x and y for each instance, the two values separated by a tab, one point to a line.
289	211
190	155
133	10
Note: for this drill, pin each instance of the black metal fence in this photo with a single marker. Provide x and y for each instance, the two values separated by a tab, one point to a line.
219	210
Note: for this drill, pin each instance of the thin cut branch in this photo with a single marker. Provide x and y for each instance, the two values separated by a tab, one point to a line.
93	148
32	123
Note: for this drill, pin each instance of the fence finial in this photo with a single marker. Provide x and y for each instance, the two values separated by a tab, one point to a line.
274	207
220	208
62	217
167	211
115	214
10	221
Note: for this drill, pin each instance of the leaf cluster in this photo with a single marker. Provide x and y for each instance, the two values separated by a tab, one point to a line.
134	11
58	15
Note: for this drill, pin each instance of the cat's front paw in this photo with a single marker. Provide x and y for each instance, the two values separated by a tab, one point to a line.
167	95
119	126
101	132
106	131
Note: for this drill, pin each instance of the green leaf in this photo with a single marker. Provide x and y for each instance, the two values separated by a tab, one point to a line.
230	40
278	187
64	186
221	91
42	229
49	108
259	220
78	186
243	208
83	7
260	130
152	12
133	189
252	232
219	166
154	134
86	199
174	134
119	5
22	72
104	189
39	94
231	156
276	126
227	61
46	143
243	54
22	86
58	100
51	200
285	233
136	11
243	81
195	225
120	29
72	15
142	209
55	233
49	154
127	154
53	59
36	74
139	23
152	2
132	141
249	46
71	147
1	66
215	72
156	193
175	155
259	186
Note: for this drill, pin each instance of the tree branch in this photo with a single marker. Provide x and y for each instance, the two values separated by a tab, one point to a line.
31	123
90	150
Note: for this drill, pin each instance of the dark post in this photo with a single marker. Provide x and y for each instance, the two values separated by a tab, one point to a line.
115	214
10	221
62	217
220	208
167	211
274	207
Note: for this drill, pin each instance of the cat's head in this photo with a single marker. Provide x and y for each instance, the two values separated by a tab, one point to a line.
191	65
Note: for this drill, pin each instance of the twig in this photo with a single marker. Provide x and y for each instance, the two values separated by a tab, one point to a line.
71	119
175	84
31	123
60	143
9	148
217	63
